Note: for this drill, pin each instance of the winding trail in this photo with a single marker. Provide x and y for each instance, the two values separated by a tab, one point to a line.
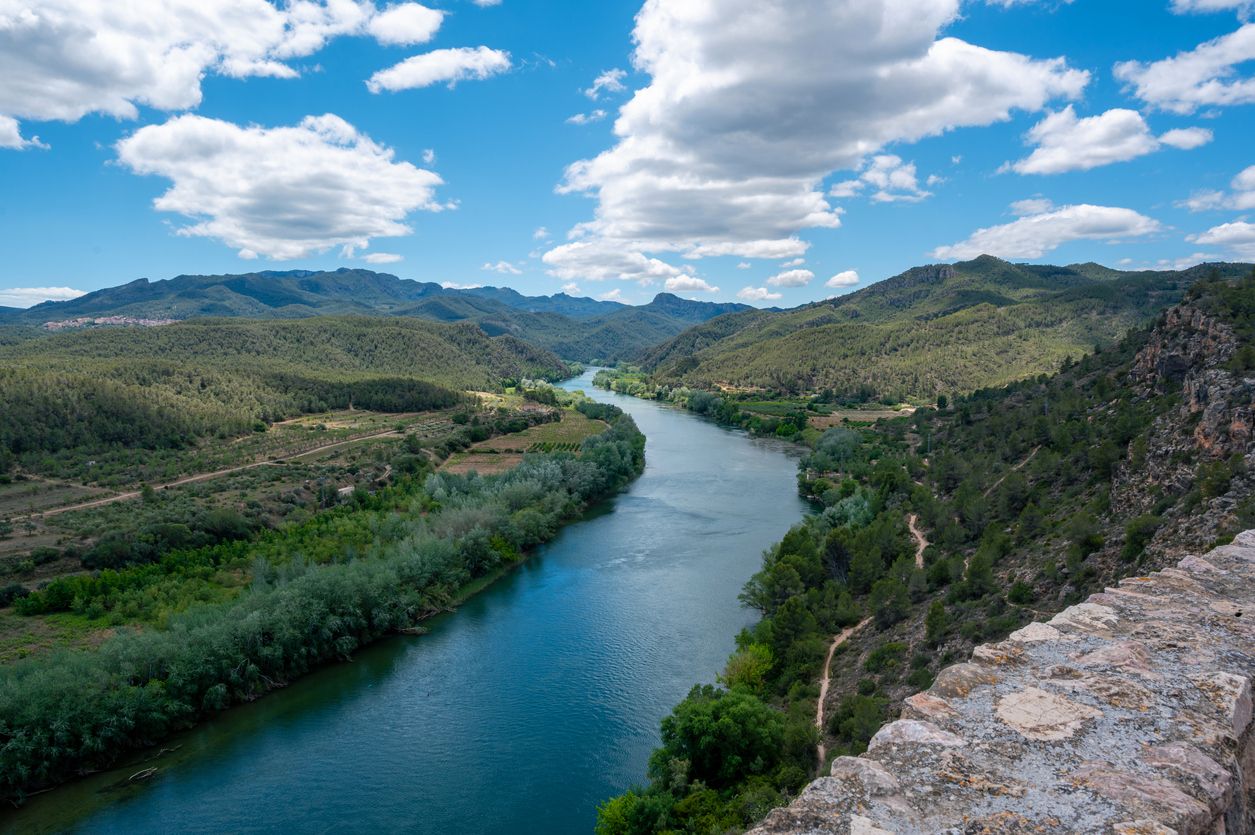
821	750
192	479
1018	466
921	543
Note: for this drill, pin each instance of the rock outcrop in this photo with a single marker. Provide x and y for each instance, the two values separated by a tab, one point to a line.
1127	714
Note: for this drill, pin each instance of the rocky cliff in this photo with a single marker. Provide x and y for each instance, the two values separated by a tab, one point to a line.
1201	443
1129	713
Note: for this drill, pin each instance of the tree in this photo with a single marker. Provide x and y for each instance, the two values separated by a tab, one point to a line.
936	622
889	602
723	736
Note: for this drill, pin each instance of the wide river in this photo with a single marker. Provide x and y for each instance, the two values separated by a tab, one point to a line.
519	712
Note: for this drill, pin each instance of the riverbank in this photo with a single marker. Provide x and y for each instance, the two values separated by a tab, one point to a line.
317	594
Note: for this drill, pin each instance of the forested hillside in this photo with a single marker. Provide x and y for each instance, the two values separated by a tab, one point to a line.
955	527
575	328
98	389
932	330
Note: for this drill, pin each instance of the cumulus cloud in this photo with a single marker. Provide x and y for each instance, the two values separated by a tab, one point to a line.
611	295
587	118
892	179
744	265
1037	233
1206	76
1242	7
440	66
571	288
757	294
1068	143
382	258
504	267
846	278
486	3
599	260
283	192
405	24
11	136
1240	197
30	296
791	278
541	234
453	285
610	81
689	284
751	106
1238	237
63	59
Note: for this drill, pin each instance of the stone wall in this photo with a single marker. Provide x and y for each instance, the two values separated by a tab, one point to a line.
1129	714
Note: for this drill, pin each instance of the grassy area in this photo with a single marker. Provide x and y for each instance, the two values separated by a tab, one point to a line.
497	455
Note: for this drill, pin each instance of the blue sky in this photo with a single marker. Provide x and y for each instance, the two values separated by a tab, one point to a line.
780	152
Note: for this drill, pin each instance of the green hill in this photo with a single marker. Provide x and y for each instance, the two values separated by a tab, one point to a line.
934	329
167	386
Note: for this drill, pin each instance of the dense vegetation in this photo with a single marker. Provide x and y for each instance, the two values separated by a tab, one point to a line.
781	420
152	388
1014	487
222	624
931	330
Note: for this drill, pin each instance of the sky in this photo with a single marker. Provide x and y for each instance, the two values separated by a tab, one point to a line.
768	151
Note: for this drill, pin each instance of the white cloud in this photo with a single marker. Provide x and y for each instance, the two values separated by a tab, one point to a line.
587	118
1206	76
1006	4
1238	237
596	260
1242	7
894	181
847	278
1187	139
504	267
1031	206
796	262
745	265
1241	197
540	234
382	258
611	295
757	294
689	284
11	136
610	81
1033	235
752	105
571	288
29	296
1068	143
791	278
63	59
405	24
486	3
429	156
282	192
439	66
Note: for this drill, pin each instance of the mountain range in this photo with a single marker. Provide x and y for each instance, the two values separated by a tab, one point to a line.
575	328
933	329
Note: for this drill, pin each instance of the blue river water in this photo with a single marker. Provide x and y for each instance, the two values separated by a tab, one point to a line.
521	711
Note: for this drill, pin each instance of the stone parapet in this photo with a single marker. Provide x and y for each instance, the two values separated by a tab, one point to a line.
1127	714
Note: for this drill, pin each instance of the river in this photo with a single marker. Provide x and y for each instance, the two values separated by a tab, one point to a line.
519	712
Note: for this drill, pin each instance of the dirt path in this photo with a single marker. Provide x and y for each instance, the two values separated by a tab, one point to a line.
192	479
920	542
1018	466
838	640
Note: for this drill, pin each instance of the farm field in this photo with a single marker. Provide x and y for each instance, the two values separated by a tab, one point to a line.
496	455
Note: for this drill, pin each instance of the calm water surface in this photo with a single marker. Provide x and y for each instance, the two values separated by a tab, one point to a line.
521	711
